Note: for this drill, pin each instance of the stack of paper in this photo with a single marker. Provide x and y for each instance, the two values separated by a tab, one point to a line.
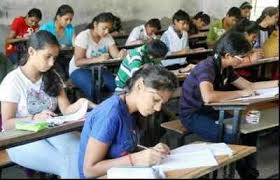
194	155
70	117
262	93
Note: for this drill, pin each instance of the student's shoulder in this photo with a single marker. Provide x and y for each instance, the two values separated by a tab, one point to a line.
12	76
48	26
111	105
18	20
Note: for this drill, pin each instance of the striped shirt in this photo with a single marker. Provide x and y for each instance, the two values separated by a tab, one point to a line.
134	60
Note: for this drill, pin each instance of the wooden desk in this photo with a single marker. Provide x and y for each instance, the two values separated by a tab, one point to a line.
15	137
260	62
130	46
194	56
239	152
237	107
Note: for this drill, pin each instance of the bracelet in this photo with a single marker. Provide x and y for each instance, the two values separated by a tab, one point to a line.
130	160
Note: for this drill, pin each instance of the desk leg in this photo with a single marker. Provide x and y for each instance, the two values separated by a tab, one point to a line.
93	81
236	125
98	84
221	125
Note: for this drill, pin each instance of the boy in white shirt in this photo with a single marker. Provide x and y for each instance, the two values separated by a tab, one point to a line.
144	32
176	38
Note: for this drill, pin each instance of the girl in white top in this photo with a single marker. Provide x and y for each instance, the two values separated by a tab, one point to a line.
176	38
33	92
144	32
92	45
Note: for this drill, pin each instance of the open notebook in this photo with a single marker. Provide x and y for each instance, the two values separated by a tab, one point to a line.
70	117
261	93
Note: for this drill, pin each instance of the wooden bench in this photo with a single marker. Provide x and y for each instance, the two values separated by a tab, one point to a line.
177	128
4	161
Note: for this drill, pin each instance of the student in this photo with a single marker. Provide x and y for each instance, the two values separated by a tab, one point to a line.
62	28
92	45
250	29
21	30
199	21
219	27
149	53
176	38
109	137
144	32
117	27
35	93
206	83
245	9
267	22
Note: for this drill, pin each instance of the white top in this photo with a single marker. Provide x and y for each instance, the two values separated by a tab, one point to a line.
138	33
93	49
174	43
29	96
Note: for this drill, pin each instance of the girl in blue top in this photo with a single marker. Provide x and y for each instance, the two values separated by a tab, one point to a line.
109	134
61	26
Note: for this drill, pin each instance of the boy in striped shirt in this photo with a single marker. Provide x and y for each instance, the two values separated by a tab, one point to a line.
150	53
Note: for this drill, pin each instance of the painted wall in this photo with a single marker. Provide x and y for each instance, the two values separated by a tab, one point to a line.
132	12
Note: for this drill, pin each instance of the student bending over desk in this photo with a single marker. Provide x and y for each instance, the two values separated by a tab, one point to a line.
109	137
91	45
150	53
21	30
207	82
32	92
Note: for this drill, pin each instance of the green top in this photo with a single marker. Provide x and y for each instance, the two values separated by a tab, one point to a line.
216	30
134	60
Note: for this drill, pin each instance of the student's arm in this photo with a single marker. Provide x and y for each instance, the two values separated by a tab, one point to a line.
242	83
115	53
210	95
12	38
8	112
67	108
81	60
96	165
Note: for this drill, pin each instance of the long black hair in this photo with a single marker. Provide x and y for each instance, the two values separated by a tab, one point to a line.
155	77
102	17
268	11
233	43
63	10
52	83
245	25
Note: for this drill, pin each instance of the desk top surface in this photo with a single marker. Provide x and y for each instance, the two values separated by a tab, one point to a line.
260	61
239	152
15	137
243	102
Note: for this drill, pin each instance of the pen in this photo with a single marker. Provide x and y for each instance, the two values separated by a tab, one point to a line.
143	147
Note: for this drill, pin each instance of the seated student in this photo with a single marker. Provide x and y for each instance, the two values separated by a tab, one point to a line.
62	28
91	45
250	29
117	27
199	21
245	9
267	22
176	38
33	91
109	137
219	27
144	32
207	83
21	30
149	53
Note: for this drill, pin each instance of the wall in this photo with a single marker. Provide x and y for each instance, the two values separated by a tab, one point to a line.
128	10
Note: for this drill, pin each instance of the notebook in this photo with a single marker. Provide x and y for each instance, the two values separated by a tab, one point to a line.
70	117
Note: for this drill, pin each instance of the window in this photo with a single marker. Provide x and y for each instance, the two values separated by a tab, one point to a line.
259	5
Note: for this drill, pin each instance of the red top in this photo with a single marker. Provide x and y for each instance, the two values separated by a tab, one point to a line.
21	29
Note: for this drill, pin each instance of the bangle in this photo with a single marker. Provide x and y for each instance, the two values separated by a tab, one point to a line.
130	160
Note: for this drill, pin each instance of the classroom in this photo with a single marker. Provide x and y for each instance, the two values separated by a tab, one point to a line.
159	89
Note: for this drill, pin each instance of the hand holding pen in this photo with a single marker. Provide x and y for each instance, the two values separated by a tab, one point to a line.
150	156
43	115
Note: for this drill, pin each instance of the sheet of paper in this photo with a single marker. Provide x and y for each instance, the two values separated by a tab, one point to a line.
134	173
199	158
219	149
70	117
261	93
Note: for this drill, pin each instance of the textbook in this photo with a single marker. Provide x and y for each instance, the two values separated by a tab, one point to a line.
70	117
